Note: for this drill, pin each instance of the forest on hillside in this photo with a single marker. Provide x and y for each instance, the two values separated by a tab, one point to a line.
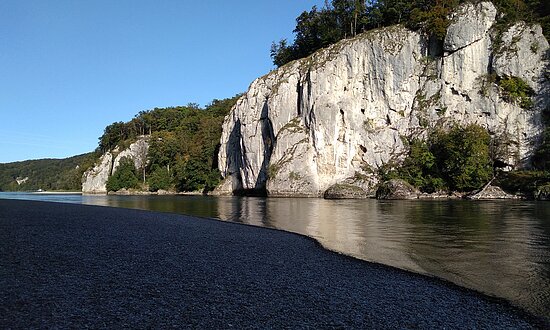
182	156
183	147
341	19
46	174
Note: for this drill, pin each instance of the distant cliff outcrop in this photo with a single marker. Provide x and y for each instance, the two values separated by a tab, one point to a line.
341	114
94	180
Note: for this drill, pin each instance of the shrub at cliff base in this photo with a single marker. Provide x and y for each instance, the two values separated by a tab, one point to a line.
463	157
527	183
195	175
420	168
457	159
124	177
542	193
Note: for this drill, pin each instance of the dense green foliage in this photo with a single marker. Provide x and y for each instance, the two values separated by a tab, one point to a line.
463	157
125	176
183	147
146	122
530	11
420	168
458	160
45	174
159	178
342	19
516	90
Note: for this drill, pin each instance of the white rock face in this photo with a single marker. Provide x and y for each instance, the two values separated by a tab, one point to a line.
343	113
21	180
137	151
94	180
521	52
470	23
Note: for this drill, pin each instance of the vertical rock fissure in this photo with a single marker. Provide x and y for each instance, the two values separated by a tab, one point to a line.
235	157
269	141
112	166
300	93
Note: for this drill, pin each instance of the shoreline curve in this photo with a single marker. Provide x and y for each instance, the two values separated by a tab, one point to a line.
237	270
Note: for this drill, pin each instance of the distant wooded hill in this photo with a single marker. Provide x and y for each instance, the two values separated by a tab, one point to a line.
46	174
182	155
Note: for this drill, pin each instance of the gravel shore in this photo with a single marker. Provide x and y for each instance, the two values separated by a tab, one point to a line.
67	265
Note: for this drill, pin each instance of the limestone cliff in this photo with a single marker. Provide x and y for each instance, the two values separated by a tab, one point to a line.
94	180
345	111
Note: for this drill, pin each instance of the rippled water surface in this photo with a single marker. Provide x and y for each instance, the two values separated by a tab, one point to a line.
501	248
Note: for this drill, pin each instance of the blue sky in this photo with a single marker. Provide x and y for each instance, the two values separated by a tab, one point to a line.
68	68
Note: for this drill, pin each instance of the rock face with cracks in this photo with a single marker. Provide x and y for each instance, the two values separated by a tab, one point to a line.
345	112
94	180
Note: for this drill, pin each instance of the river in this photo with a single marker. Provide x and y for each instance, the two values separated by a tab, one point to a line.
500	248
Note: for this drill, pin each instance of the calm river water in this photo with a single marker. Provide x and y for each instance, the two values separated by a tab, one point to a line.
501	248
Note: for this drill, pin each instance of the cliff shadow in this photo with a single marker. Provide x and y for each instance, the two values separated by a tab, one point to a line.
269	141
235	157
542	102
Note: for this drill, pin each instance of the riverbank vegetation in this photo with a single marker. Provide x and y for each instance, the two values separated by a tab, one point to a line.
465	159
454	160
184	143
341	19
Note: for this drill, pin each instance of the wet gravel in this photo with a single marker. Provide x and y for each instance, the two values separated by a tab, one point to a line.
66	265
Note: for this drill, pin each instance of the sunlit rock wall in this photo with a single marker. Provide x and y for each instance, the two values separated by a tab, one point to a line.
346	111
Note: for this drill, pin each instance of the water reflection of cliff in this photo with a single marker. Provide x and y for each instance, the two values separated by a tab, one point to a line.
350	227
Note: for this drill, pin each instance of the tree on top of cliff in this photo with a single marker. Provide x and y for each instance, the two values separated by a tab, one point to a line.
340	19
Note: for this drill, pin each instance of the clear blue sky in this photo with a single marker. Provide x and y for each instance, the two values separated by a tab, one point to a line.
68	68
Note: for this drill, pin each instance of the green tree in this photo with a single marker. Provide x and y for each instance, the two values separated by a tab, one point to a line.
163	148
462	157
281	53
419	168
458	159
124	177
432	16
191	174
160	178
541	158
